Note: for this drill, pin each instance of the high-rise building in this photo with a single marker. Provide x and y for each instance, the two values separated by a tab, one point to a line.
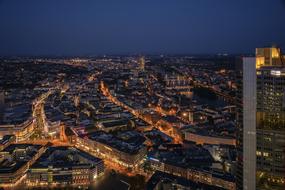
249	123
270	127
262	124
268	56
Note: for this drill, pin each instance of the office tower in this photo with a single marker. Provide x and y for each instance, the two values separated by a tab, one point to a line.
270	127
249	123
263	122
268	56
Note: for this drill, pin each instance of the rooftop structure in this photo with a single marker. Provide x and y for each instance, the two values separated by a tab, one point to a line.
162	180
65	166
15	161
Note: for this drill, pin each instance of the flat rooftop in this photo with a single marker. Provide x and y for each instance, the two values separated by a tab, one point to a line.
165	178
187	158
128	142
65	157
114	123
28	151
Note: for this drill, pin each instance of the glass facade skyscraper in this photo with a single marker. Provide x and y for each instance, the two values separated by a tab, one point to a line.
261	142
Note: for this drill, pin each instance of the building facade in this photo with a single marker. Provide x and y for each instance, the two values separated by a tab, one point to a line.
64	166
261	159
270	127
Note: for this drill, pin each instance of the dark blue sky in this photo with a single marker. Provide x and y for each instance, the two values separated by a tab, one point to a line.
90	27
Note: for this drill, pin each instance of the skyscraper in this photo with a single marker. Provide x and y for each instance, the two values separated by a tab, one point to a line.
249	123
263	121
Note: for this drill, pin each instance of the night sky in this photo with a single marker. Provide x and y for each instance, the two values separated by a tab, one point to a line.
95	27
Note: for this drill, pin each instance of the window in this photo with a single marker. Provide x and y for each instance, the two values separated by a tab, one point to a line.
265	154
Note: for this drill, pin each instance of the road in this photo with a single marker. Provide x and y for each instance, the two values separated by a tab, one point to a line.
113	99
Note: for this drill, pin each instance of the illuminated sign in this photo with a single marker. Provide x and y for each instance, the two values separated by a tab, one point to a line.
275	73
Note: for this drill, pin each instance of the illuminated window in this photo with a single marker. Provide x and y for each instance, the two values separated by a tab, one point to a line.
258	153
259	62
267	139
275	53
265	154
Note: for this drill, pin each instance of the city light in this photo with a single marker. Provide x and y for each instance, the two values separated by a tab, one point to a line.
142	95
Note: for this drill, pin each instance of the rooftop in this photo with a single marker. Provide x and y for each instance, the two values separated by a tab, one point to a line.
165	178
26	153
65	157
187	158
128	142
